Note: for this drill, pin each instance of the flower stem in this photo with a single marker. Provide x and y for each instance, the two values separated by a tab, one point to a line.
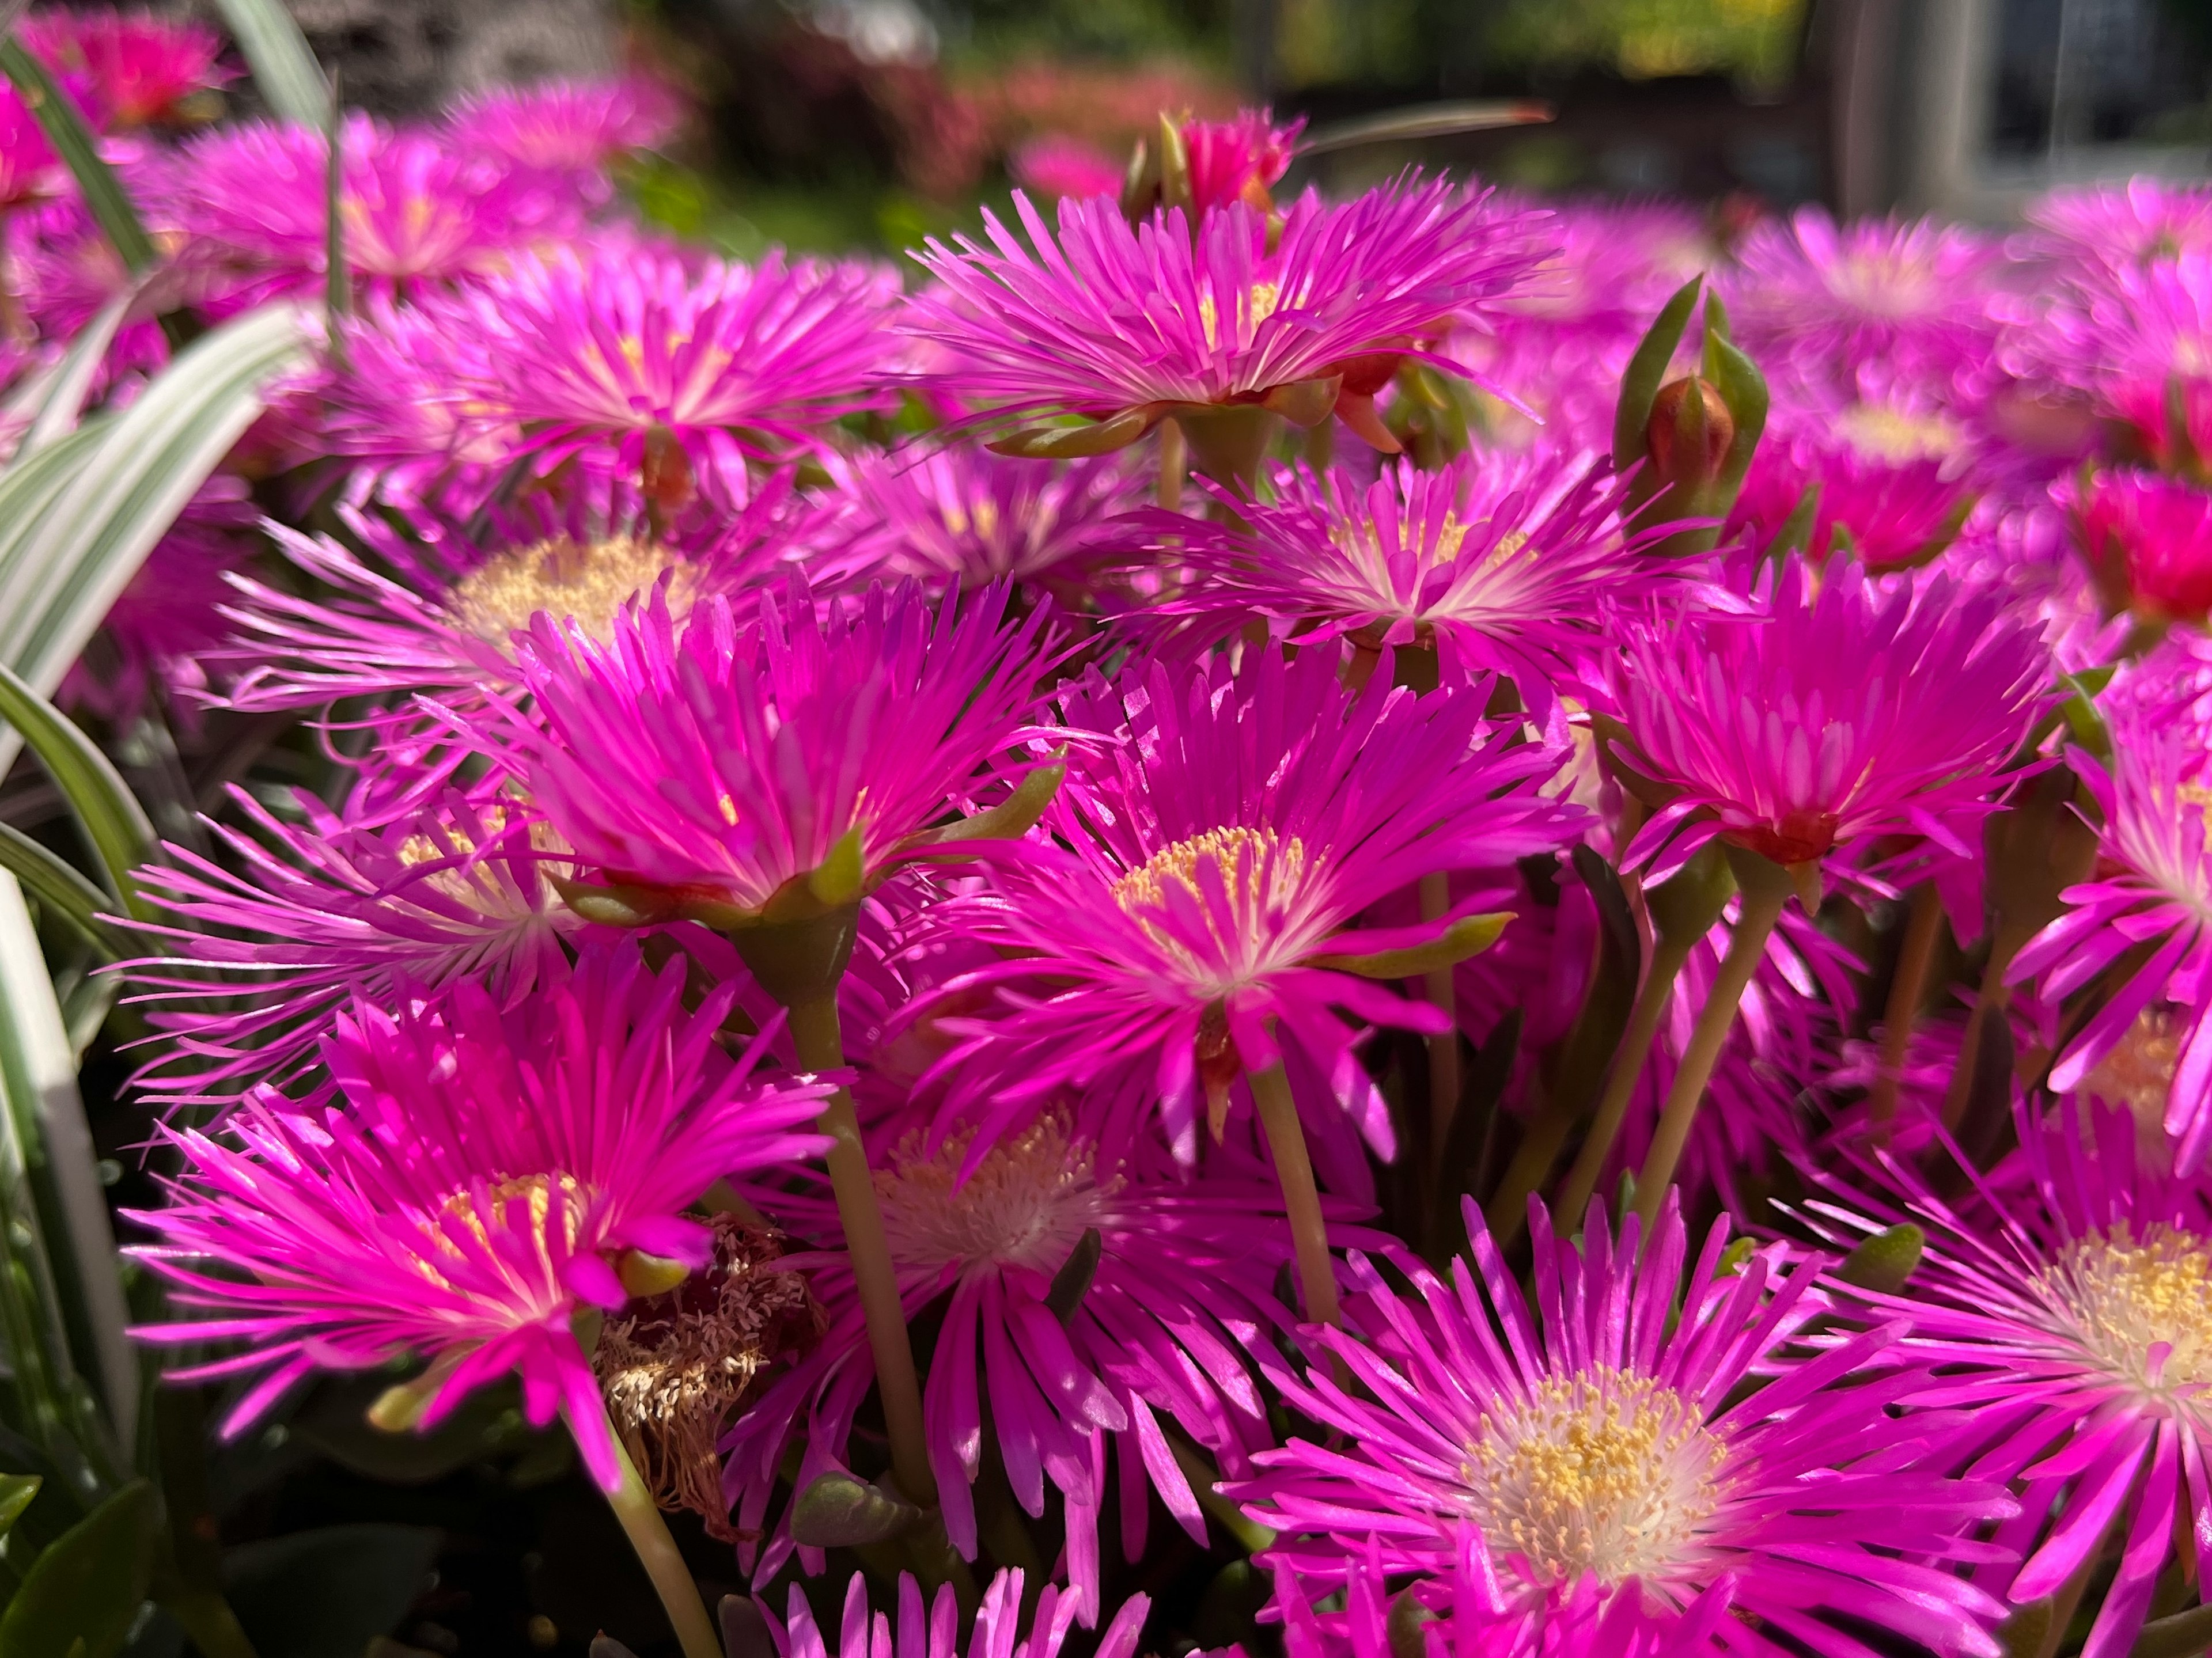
1916	955
1765	888
1286	1143
1643	1029
1175	462
821	1045
1994	997
1443	1050
656	1552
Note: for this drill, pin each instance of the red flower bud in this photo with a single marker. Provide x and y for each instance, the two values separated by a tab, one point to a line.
1681	454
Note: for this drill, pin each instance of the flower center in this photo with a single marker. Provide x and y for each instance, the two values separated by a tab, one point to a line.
520	1206
568	580
2139	1072
1882	432
1259	301
1028	1204
474	883
2141	1309
1257	866
1600	1471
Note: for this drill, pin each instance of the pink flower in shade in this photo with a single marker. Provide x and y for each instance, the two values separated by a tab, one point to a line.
1608	1435
1221	840
1240	160
434	605
963	517
1855	710
1108	318
138	69
724	765
2065	1301
633	363
66	271
270	944
2147	541
566	130
1182	1287
417	214
1053	165
1499	561
1901	303
2152	892
470	1182
2097	229
2145	343
1000	1631
1613	266
29	169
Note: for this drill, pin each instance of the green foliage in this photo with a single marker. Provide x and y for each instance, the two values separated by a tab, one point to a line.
284	69
328	1593
83	1594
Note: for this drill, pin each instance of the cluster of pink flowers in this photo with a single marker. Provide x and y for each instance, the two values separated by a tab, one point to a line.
1565	993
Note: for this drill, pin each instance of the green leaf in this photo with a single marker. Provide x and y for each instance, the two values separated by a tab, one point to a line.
38	1065
1639	384
61	891
2184	1634
72	379
327	1594
16	1490
1013	817
86	1587
338	275
1743	389
838	1511
284	68
1885	1260
121	836
1470	935
63	123
58	578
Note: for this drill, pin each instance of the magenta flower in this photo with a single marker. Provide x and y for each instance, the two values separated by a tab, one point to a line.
2147	541
137	69
1606	1438
1905	303
628	361
1238	160
2144	341
1053	165
963	517
29	169
725	768
1896	483
1108	319
999	1631
566	131
2097	229
1613	266
1183	1285
472	1181
306	917
2065	1303
1849	712
1220	844
1499	561
417	214
2153	891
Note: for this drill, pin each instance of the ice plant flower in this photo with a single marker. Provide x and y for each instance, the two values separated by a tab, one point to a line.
2144	922
2099	230
2067	1299
29	170
566	131
664	372
1181	1271
999	1631
1893	301
137	69
965	518
2147	541
1499	562
1607	1439
265	952
1894	485
418	214
1240	160
472	1180
1855	710
1052	164
1123	323
1202	915
742	773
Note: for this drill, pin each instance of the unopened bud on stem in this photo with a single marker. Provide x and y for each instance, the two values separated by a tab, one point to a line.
1689	432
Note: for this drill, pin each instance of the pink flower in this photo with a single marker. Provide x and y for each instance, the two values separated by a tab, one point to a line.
1000	1631
1238	160
1053	165
1599	1434
471	1181
138	70
1224	833
567	132
1844	713
1895	484
2147	541
2099	230
726	767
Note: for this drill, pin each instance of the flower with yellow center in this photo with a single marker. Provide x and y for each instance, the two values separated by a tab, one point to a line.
585	583
1027	1204
2142	1307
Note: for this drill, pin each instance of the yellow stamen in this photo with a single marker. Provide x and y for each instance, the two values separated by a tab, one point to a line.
569	579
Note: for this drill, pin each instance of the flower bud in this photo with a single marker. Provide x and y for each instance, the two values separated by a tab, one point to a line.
1688	440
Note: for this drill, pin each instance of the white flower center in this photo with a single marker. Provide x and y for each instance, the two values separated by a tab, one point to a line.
1028	1204
1600	1471
2142	1309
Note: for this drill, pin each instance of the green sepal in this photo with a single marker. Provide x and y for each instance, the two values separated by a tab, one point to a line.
615	904
1305	404
649	1275
1885	1260
1077	442
1011	818
1646	371
1470	935
838	879
838	1511
1743	389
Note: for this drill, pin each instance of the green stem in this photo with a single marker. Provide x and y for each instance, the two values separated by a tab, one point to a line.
1666	958
657	1553
821	1044
1175	462
1916	955
1765	893
1443	1049
1995	996
1286	1143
